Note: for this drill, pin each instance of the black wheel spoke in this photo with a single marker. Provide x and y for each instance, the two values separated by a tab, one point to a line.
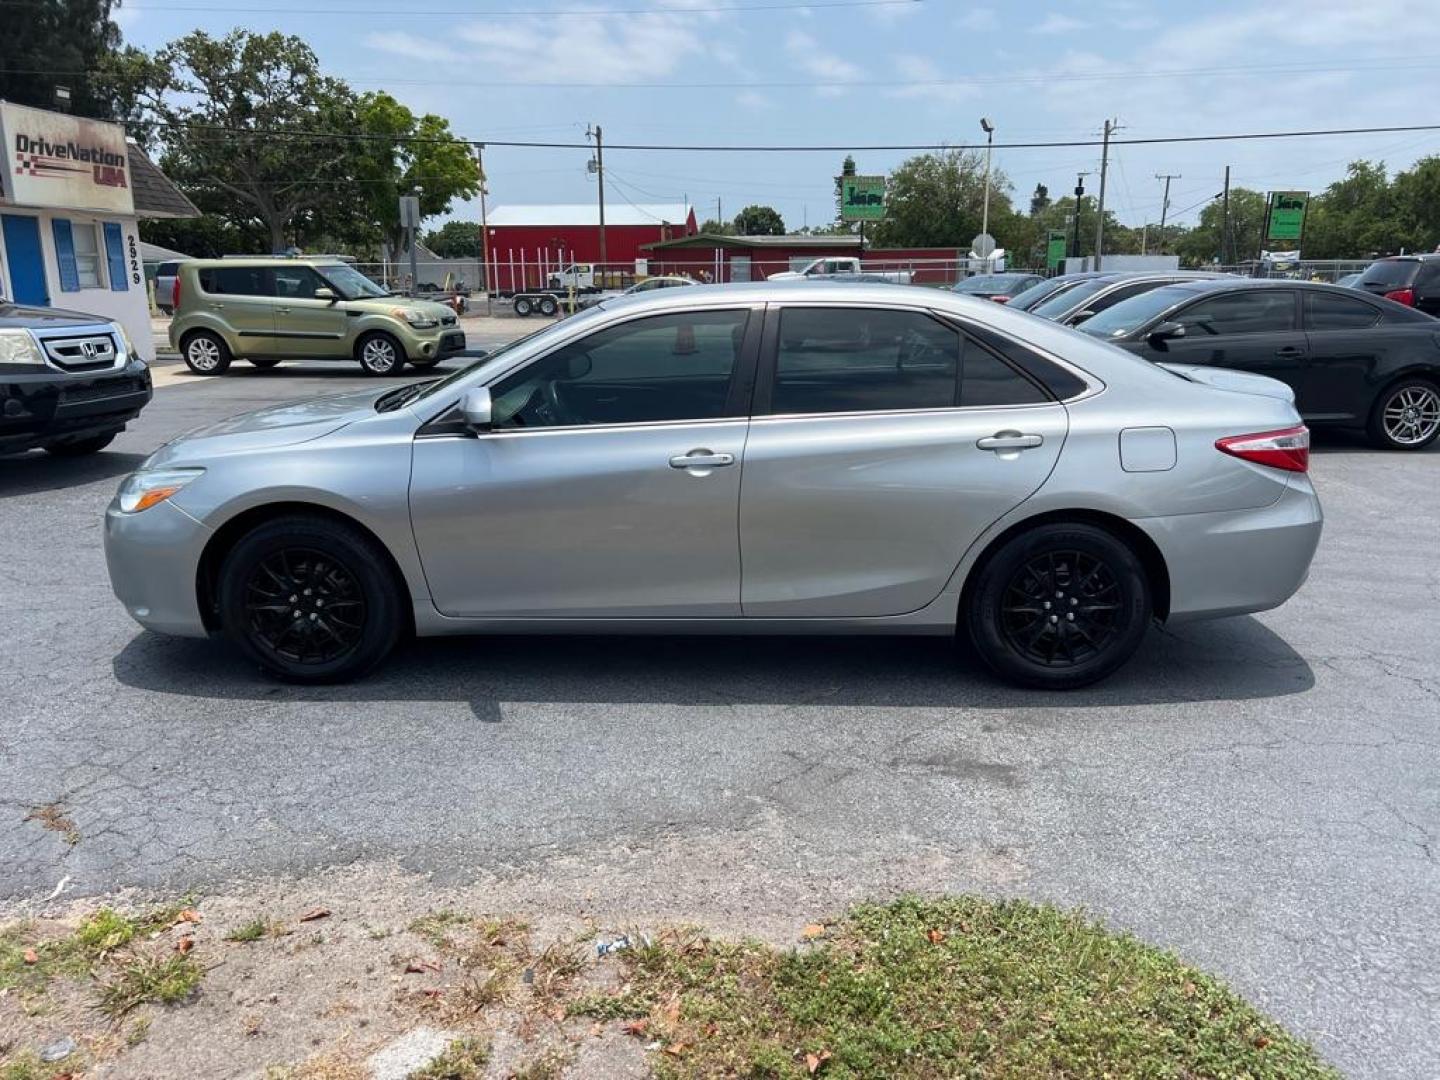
294	597
1062	608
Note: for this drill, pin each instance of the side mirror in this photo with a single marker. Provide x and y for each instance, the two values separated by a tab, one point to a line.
323	293
476	408
1165	331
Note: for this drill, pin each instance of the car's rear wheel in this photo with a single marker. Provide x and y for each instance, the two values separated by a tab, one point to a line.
263	362
310	599
205	353
380	354
81	447
548	306
1060	606
1406	416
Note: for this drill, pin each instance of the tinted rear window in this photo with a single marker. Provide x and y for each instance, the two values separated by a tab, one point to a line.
235	280
1391	273
1070	298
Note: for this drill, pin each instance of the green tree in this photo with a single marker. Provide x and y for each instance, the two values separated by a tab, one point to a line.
455	240
934	200
1417	204
1040	200
1354	217
759	221
711	227
69	43
1202	245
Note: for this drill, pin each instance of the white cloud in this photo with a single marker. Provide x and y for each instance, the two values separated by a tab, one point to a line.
1056	23
978	20
889	14
410	47
930	83
752	99
588	49
825	68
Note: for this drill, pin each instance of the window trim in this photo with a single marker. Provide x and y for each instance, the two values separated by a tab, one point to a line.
1298	327
1310	295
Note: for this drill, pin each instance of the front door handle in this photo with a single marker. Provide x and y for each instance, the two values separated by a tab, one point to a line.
701	459
1010	440
282	311
1289	352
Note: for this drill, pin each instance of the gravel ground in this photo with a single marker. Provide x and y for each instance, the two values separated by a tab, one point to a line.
1258	793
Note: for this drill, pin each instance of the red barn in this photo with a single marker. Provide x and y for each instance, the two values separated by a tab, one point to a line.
753	258
527	243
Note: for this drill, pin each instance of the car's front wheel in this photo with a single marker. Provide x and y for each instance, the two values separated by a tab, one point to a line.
310	599
205	353
1406	416
1060	606
380	354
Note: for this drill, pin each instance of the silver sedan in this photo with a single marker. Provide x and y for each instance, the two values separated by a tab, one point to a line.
776	458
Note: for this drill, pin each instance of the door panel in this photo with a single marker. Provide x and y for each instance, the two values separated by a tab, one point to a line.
305	326
581	521
25	259
857	515
1251	330
1347	349
242	298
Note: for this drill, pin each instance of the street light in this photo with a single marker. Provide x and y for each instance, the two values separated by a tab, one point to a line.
989	128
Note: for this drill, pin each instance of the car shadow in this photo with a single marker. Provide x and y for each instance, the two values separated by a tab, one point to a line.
1343	441
1230	660
37	471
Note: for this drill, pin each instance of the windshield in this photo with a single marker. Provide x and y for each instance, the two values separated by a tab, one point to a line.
990	283
1390	274
1027	299
1072	298
350	283
1129	315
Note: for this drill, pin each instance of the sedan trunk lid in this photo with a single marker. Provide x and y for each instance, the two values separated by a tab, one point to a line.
1242	382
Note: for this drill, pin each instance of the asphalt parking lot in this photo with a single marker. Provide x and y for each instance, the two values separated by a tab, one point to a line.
1261	793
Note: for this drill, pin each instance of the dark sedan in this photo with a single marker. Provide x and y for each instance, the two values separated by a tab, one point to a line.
1045	288
1353	360
1105	290
997	287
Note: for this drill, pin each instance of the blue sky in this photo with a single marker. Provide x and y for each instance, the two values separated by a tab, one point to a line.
909	72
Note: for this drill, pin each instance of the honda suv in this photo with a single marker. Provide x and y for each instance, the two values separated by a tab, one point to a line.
271	309
69	383
1412	280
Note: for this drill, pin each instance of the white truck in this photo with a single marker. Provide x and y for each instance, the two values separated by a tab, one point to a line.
843	266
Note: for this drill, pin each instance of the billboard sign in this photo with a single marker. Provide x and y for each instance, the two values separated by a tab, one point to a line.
862	198
1287	215
1055	245
65	162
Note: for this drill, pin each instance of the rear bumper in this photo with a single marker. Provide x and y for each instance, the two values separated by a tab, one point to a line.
1239	561
47	407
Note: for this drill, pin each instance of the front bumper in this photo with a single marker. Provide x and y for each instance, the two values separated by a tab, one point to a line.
41	406
434	344
1238	561
153	558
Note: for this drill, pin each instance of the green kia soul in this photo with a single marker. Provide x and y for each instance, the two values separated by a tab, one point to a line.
267	310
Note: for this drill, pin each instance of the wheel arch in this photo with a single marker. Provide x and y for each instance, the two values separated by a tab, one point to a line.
207	571
1157	573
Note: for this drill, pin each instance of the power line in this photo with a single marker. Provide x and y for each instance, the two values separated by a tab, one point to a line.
500	12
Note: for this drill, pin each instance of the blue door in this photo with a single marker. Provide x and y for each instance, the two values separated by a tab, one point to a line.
25	259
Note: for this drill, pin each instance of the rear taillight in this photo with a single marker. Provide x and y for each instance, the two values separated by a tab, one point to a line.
175	294
1287	449
1402	296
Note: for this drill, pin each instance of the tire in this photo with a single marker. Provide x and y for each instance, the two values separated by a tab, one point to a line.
205	353
1024	594
1406	416
264	363
271	568
82	447
522	307
548	306
380	354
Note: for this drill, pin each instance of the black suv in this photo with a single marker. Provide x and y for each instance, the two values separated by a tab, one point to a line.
1412	280
69	383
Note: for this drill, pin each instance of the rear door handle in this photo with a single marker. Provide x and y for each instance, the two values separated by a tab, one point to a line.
701	459
1289	351
282	311
1010	440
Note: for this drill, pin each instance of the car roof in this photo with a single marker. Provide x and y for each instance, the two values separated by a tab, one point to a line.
1232	283
1419	256
271	260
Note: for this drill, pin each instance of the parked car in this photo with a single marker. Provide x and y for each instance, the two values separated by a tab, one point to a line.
69	383
1412	280
664	281
1048	287
1353	360
998	287
165	285
1348	281
833	266
913	462
266	310
1094	295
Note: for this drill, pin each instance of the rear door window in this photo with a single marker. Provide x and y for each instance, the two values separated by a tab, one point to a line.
1326	311
1250	311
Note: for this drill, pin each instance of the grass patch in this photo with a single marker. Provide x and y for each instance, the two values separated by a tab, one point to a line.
98	937
28	1066
954	987
144	977
463	1059
254	930
547	1065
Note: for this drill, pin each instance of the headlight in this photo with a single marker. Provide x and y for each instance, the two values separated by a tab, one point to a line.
18	347
418	320
144	489
130	353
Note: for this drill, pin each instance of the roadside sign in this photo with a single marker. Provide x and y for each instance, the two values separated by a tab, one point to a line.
409	212
1287	215
1055	245
983	246
862	198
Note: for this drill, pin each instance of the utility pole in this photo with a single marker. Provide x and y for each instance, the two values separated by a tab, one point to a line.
719	216
1110	126
599	171
989	128
1225	217
1079	194
484	234
1165	203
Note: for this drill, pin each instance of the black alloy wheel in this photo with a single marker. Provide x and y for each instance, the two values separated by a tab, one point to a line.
1060	606
304	606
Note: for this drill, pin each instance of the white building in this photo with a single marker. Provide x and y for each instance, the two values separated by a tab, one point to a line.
71	193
